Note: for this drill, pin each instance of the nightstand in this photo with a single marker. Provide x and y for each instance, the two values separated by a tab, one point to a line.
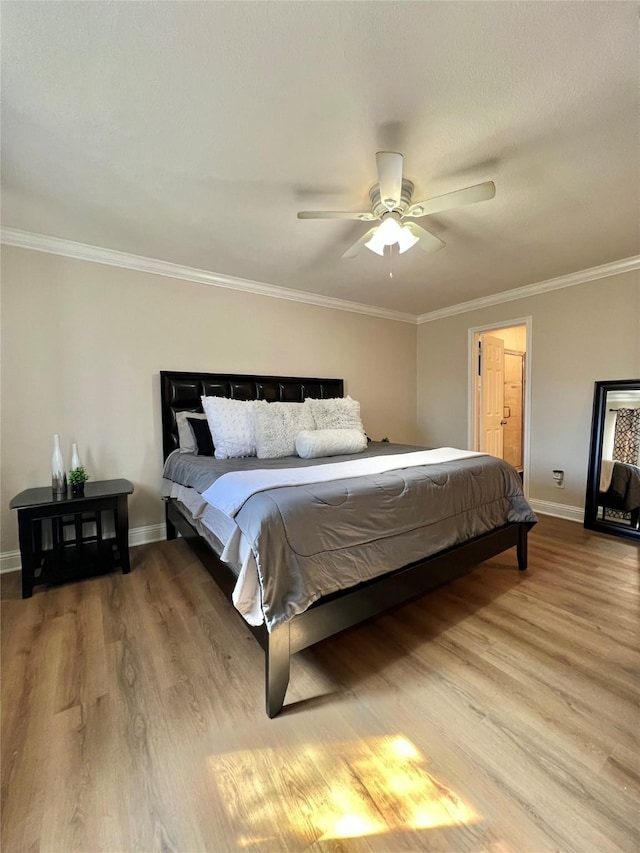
74	551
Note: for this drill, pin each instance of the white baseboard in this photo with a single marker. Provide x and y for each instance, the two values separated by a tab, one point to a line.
571	513
144	535
10	560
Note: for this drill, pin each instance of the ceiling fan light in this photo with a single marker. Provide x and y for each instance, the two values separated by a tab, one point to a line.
376	244
390	232
386	234
406	239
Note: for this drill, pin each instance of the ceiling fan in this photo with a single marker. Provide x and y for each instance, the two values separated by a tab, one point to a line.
391	203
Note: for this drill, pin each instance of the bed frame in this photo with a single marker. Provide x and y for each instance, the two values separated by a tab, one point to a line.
333	613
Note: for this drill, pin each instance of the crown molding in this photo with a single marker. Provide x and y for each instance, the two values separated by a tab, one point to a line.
580	277
111	257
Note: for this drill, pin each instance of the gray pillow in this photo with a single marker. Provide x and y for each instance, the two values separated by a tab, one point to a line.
186	438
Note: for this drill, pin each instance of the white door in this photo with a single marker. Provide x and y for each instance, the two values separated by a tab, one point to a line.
492	395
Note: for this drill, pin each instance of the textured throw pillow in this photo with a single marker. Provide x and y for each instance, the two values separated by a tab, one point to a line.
336	413
202	435
186	438
276	427
330	442
231	425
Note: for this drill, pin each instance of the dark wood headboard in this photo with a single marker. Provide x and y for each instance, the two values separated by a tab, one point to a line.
180	392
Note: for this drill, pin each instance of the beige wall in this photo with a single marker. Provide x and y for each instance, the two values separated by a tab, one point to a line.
82	345
579	335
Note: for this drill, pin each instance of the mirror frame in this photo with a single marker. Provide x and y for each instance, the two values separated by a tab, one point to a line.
591	521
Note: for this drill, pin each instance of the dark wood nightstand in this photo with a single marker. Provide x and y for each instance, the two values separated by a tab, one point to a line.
79	555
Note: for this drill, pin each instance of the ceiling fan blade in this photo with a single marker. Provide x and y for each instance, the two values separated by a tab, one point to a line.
469	195
428	242
389	178
355	249
364	216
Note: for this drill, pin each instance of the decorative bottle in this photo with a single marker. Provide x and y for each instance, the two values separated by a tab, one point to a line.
75	458
58	473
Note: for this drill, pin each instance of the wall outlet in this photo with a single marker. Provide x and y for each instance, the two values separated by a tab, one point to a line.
558	478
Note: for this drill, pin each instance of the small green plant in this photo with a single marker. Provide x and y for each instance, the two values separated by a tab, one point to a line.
385	439
77	476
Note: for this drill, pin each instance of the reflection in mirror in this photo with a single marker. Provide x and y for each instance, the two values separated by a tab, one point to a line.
613	484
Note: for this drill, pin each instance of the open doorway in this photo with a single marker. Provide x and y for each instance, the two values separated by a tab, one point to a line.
499	410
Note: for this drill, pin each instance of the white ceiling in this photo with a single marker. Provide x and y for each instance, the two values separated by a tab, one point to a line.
193	133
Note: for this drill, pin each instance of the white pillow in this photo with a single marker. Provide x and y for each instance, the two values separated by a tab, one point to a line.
336	413
186	438
330	442
231	425
276	427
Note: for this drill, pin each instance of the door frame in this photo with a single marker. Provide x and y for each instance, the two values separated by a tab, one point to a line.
472	413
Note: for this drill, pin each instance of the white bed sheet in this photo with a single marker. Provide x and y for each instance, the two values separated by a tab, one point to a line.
236	550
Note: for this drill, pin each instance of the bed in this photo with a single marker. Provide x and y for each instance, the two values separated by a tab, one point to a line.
620	492
298	621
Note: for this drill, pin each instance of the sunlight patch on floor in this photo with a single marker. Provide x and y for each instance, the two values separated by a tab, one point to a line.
334	790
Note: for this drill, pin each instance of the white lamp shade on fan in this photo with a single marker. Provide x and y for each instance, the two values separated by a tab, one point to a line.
406	239
388	233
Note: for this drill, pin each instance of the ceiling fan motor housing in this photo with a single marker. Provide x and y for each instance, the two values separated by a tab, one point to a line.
379	209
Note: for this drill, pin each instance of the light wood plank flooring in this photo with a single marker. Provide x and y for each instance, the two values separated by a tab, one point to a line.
499	713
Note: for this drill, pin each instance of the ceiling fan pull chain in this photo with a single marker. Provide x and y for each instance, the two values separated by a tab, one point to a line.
390	261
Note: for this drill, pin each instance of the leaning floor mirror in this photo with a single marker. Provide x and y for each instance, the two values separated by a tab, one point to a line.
612	502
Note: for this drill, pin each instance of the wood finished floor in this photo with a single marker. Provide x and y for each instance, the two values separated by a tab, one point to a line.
500	713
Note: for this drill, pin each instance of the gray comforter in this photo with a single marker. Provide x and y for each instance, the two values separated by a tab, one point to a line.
312	540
